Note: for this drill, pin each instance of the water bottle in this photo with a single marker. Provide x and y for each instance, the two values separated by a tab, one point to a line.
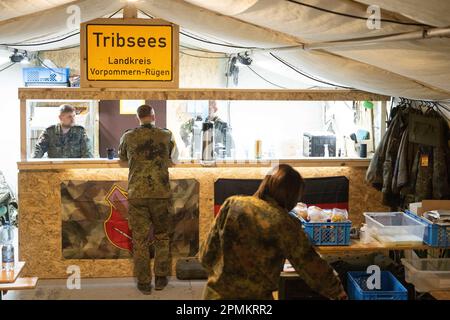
7	248
326	151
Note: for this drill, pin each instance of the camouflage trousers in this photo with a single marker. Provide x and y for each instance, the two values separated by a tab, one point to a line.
143	213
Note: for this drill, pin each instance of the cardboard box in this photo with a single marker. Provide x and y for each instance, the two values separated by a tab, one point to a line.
428	205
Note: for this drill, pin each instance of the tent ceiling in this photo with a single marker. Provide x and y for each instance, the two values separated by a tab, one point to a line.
418	69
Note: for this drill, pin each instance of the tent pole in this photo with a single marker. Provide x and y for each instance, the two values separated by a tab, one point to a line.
415	35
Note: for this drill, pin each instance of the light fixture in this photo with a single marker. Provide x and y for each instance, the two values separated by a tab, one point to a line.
19	57
244	58
26	59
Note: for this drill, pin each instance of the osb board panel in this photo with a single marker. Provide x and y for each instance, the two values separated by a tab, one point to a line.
64	58
196	94
40	212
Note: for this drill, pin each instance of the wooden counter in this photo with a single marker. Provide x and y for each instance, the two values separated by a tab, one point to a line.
198	94
40	236
62	164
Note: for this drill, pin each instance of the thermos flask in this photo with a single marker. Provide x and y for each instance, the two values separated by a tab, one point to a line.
208	143
111	153
363	150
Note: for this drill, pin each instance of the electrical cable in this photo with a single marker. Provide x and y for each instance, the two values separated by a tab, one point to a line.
47	67
234	46
201	50
40	43
202	57
10	65
195	37
50	40
63	48
192	37
305	74
274	84
355	16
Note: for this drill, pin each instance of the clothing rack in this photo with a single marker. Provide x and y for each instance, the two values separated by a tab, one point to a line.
421	104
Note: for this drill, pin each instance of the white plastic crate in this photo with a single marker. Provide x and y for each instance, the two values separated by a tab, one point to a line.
394	228
428	274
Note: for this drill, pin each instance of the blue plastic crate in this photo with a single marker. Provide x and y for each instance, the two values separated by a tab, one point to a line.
328	233
42	76
434	235
391	288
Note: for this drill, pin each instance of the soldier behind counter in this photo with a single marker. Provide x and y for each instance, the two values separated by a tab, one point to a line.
65	139
148	151
251	238
223	140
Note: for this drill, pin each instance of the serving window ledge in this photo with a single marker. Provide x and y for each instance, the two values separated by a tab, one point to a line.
64	164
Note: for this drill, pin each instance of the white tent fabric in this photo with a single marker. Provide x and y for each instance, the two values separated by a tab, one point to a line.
431	12
417	69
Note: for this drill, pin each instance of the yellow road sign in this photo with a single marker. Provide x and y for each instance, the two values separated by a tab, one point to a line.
142	51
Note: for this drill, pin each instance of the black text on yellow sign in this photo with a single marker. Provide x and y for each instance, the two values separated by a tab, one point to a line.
129	52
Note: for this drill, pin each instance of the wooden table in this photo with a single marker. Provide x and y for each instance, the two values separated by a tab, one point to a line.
9	280
357	246
441	295
11	276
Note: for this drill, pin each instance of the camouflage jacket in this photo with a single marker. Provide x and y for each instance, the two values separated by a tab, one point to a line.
247	247
148	150
73	144
222	134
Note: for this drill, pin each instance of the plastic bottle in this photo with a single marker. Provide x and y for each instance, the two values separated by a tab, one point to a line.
364	234
326	151
7	248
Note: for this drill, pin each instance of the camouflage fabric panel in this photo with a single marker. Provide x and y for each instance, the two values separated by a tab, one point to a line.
95	219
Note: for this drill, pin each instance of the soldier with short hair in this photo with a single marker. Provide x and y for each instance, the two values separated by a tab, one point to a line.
253	235
148	151
223	140
65	139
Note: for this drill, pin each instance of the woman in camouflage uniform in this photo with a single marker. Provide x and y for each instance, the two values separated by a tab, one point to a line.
253	235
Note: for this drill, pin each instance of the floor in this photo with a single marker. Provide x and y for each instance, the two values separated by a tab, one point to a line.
108	289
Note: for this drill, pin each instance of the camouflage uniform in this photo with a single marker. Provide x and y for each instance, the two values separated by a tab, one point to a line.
74	144
148	151
247	247
222	136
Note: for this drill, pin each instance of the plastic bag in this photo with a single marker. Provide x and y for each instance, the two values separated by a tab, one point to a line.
339	215
316	214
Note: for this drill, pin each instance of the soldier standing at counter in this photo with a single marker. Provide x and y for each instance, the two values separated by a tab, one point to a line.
251	238
65	139
148	151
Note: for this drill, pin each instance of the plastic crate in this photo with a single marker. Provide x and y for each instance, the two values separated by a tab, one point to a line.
428	274
328	233
391	288
394	228
435	235
45	76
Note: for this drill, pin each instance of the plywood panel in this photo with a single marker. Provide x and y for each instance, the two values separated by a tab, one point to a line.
197	94
40	211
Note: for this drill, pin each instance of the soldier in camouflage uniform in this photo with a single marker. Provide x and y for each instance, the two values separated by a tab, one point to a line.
222	136
148	151
251	238
64	140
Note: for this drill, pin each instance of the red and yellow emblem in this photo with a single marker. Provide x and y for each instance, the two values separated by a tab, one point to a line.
116	225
